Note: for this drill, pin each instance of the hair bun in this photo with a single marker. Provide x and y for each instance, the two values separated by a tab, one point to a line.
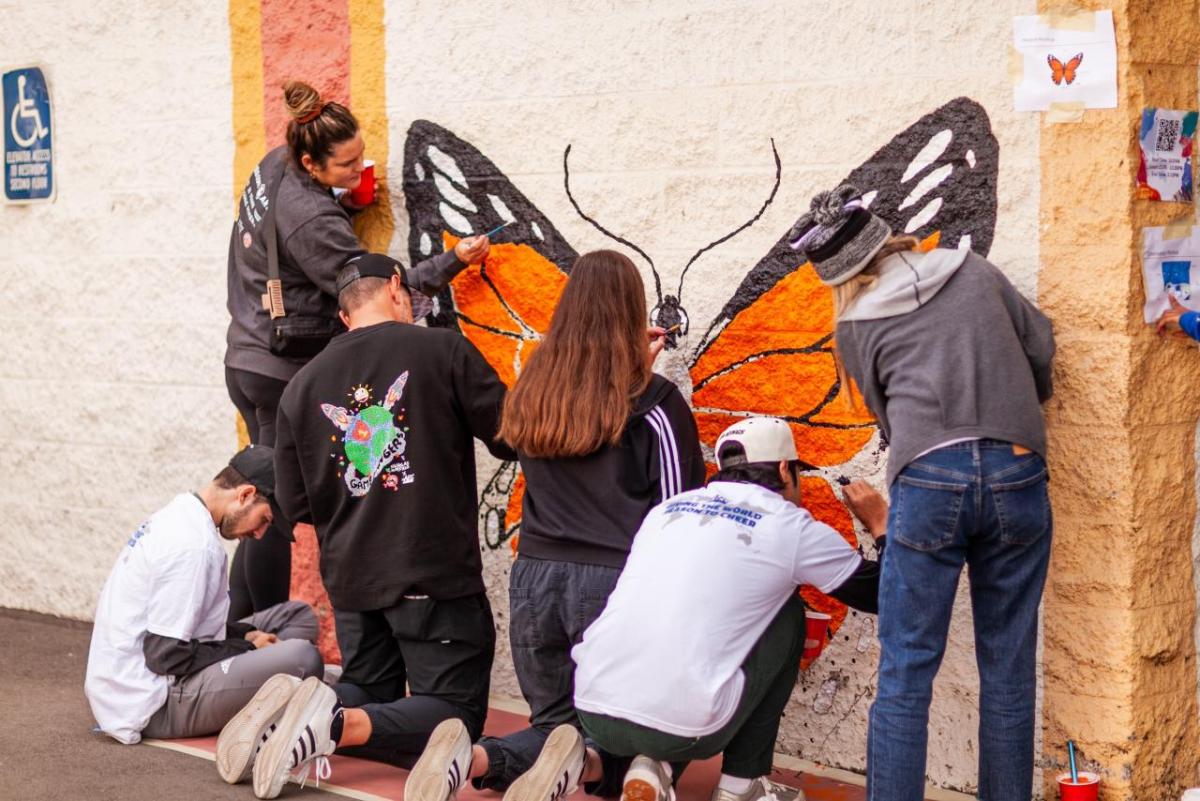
303	102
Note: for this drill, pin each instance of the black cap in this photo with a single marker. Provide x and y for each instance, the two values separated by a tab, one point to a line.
370	265
257	464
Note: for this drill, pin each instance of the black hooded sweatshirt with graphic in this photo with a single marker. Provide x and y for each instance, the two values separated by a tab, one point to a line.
375	448
586	509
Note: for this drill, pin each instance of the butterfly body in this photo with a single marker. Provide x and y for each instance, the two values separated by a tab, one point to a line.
1064	73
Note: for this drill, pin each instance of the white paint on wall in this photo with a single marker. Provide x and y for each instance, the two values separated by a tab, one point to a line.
112	396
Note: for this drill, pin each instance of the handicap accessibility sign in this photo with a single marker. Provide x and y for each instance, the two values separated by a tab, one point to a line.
28	136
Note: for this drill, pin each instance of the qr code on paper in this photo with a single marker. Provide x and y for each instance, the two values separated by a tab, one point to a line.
1168	135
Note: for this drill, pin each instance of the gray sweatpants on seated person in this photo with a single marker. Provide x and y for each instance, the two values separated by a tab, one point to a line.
202	703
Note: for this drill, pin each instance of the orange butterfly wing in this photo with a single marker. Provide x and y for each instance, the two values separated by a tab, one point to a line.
1070	69
1056	69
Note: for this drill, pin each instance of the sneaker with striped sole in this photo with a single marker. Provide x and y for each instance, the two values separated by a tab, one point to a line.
444	764
301	741
556	773
243	736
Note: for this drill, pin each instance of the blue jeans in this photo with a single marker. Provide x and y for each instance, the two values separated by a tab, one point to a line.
980	504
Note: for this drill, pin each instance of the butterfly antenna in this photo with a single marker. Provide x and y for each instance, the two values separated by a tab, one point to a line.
601	228
744	226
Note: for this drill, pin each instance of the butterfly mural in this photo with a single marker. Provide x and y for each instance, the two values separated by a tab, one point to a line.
767	351
1060	72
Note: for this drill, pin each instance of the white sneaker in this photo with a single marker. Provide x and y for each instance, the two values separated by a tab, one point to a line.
243	736
647	780
301	741
443	766
556	772
761	789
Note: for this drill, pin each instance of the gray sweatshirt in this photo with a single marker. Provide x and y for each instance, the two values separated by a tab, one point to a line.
315	240
942	348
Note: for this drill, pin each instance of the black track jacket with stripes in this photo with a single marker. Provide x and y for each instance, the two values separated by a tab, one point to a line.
586	509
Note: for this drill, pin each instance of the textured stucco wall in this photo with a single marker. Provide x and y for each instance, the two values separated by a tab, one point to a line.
669	109
113	317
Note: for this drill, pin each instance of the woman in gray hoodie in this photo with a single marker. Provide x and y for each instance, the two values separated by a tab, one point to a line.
954	363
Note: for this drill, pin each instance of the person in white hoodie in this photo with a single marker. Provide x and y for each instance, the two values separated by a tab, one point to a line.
954	364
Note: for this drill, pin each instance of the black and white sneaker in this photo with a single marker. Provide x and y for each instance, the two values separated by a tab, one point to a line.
648	780
556	773
247	731
444	764
301	741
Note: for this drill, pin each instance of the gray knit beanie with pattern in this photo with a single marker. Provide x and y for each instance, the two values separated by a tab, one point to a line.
839	235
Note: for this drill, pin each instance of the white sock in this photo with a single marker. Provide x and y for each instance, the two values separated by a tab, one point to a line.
734	784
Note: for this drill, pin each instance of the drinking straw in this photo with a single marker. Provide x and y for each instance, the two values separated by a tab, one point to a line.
1071	754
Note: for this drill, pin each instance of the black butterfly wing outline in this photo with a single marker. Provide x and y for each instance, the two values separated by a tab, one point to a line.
450	186
938	175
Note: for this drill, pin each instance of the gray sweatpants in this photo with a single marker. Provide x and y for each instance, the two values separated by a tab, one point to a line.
202	703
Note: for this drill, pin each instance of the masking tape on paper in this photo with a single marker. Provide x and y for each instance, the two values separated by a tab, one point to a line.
1065	113
1016	65
1178	229
1082	21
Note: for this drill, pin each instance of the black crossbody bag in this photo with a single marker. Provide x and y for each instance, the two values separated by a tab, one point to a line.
297	336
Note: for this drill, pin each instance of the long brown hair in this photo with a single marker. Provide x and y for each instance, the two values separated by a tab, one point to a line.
316	125
577	390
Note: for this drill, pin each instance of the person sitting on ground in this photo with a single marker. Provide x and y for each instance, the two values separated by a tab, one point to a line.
375	449
699	647
602	440
163	661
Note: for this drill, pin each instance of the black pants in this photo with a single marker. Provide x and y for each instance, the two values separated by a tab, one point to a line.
441	649
747	742
262	569
551	604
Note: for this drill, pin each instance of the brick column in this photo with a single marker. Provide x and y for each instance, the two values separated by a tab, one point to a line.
1119	652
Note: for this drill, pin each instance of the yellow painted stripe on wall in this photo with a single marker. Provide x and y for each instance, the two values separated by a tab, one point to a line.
249	130
368	101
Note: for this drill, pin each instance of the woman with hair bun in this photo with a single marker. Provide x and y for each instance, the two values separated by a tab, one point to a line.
295	184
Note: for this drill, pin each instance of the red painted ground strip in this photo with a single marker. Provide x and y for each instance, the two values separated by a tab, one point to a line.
387	782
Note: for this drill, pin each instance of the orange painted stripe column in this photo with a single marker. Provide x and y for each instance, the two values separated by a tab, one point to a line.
337	46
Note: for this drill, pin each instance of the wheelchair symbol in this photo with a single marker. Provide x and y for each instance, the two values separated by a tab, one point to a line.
26	110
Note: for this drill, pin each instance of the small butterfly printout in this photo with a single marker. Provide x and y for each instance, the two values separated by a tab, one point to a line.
1065	58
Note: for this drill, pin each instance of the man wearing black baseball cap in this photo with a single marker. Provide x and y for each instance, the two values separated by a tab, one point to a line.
163	662
375	448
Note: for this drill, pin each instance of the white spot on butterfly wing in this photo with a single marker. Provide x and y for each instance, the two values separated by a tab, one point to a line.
923	216
419	169
451	194
447	165
426	244
869	198
536	231
930	153
927	185
971	158
502	209
454	218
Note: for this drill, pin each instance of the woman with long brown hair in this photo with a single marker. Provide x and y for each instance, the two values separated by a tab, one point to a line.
602	439
294	191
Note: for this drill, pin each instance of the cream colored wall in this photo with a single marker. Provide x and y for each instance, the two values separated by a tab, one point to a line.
111	390
669	109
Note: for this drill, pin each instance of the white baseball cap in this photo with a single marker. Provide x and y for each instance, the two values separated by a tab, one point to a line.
756	439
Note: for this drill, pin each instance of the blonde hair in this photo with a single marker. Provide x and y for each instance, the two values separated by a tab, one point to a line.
846	293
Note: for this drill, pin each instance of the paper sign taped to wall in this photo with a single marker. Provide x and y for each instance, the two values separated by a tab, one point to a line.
1069	64
1170	267
1165	167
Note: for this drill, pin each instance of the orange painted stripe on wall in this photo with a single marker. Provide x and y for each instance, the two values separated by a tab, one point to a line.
247	81
368	95
307	40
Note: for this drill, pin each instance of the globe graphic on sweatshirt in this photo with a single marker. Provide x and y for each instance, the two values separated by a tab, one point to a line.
370	438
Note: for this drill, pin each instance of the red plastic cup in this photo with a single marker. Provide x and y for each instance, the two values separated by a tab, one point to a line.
815	634
1086	789
364	193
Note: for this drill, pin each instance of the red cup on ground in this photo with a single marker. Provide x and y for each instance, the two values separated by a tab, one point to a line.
815	634
364	193
1086	789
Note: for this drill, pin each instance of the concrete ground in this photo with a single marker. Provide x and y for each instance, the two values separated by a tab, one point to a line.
47	750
